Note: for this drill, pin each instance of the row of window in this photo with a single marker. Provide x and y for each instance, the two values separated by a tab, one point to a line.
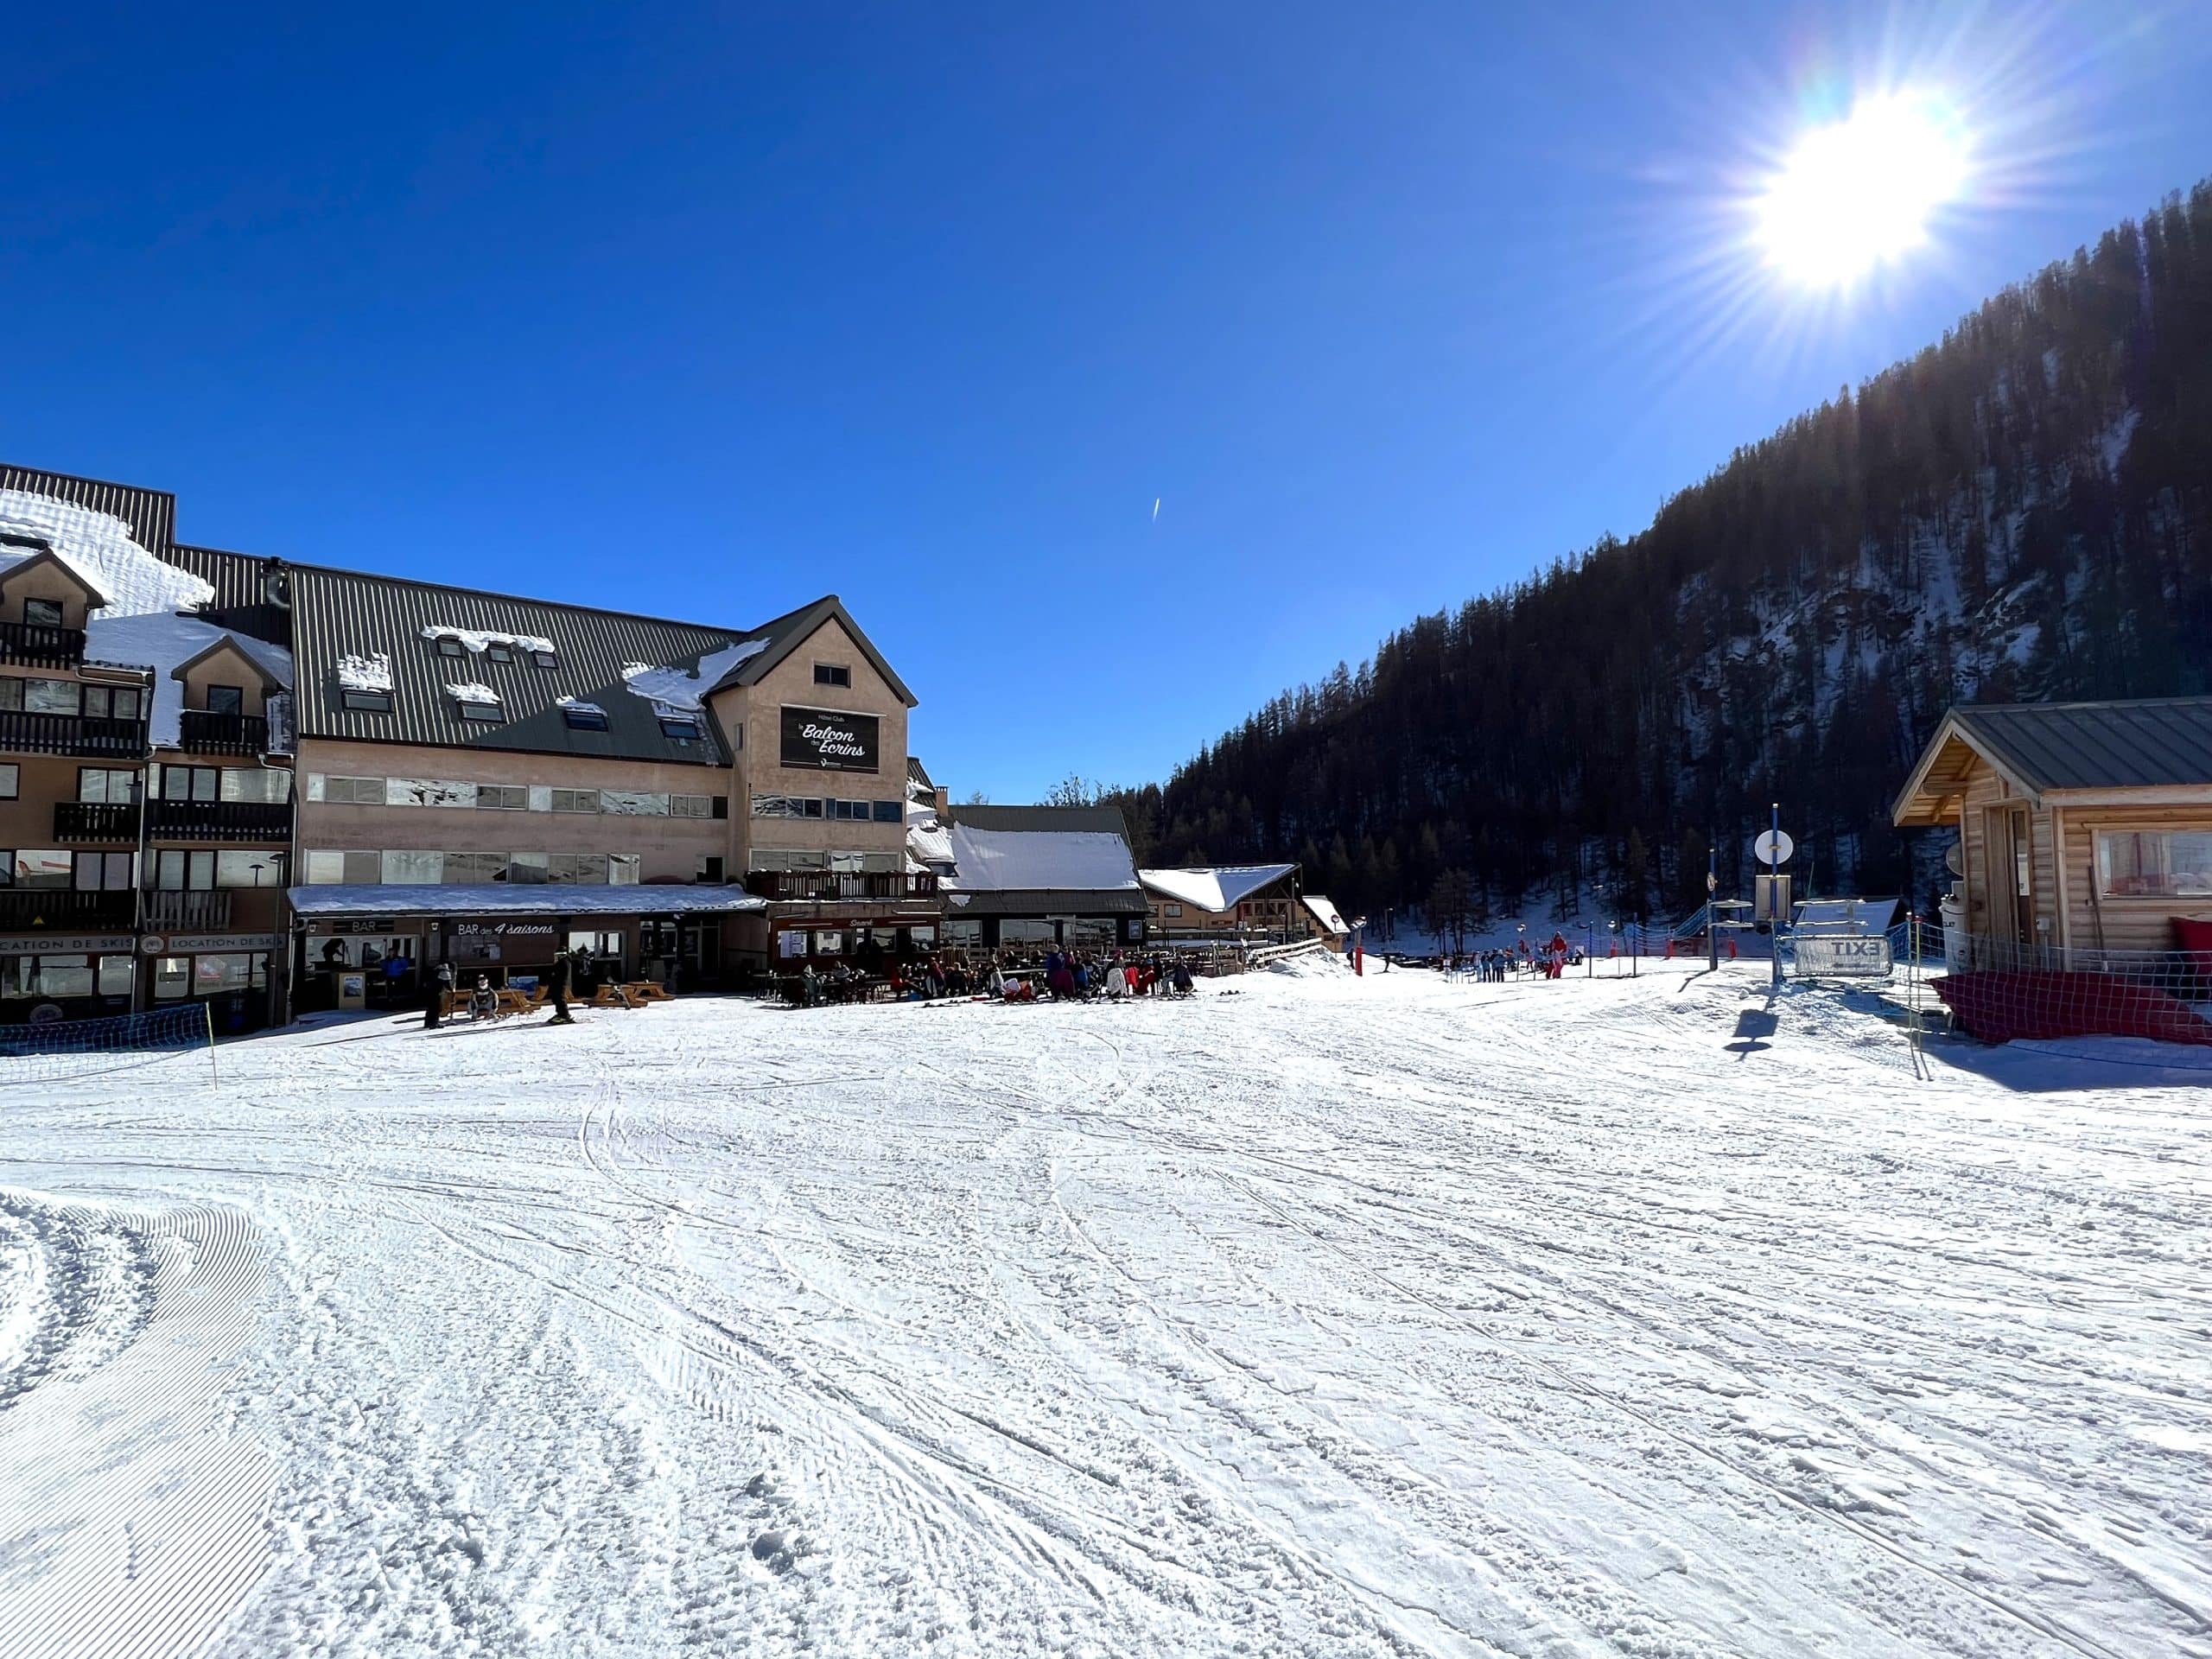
496	650
175	870
74	697
817	806
512	797
175	978
331	866
814	858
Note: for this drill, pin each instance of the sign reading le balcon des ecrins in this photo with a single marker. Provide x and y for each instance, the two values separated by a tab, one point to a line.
829	739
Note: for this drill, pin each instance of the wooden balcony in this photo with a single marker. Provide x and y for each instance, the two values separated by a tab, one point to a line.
196	911
95	821
41	644
203	731
842	886
230	821
28	909
24	732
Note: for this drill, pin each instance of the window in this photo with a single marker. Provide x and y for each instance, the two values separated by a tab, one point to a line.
584	717
250	868
506	798
709	868
229	970
683	729
575	800
474	710
111	702
832	674
527	867
328	866
354	792
544	659
191	784
889	812
269	785
2155	863
107	784
499	651
849	811
52	696
450	646
225	700
578	869
622	869
1171	910
475	869
103	873
691	806
365	702
11	780
42	612
177	871
43	866
413	869
116	974
787	806
172	978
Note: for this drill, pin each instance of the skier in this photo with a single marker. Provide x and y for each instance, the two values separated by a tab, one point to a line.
433	999
557	984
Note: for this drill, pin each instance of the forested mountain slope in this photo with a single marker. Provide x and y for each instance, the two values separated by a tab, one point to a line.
2022	511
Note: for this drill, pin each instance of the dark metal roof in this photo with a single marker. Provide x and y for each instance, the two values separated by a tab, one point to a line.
2152	743
1128	901
341	613
151	514
1043	820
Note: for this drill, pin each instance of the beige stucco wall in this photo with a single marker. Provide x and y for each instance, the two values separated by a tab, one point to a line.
42	579
668	848
227	666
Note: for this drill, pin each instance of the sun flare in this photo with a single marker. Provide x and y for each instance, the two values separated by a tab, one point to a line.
1860	193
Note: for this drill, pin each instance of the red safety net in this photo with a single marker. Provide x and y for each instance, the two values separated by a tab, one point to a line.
1998	1006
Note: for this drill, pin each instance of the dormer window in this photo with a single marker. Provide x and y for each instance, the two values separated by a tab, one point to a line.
584	717
42	612
225	700
450	646
545	660
682	727
832	674
500	651
366	703
475	710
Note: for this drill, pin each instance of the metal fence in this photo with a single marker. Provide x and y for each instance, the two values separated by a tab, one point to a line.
1999	990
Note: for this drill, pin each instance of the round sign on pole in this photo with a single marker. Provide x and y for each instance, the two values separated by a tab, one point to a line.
1773	847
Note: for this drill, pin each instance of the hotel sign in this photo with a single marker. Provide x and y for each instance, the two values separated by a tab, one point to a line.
829	739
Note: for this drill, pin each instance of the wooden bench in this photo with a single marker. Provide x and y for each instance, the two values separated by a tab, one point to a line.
514	1002
616	996
649	990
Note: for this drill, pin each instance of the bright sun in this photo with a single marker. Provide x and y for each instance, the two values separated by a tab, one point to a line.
1860	193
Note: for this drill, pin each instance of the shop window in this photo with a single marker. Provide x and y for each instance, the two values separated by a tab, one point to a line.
1020	930
110	785
963	934
116	974
42	612
2154	864
225	700
63	976
365	702
172	978
832	674
227	971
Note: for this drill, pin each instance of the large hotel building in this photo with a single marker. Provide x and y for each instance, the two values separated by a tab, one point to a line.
277	788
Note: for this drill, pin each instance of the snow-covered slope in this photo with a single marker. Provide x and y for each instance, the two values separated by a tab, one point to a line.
1334	1317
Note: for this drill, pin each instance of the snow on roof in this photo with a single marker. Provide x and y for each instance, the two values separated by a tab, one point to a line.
472	691
372	673
163	643
1325	912
98	548
678	690
519	899
1039	860
1220	888
928	843
581	706
477	639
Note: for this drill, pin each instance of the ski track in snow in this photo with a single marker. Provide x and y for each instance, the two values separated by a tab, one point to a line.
1334	1317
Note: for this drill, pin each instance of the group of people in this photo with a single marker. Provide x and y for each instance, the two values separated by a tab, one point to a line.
571	975
1500	962
1072	976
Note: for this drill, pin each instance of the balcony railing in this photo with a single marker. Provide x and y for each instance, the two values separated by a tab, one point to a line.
204	731
41	642
95	821
25	909
842	886
219	821
211	911
23	732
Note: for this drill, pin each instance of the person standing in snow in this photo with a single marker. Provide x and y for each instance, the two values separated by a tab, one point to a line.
436	990
557	984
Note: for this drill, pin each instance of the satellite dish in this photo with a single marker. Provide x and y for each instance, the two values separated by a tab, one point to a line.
1955	858
1773	847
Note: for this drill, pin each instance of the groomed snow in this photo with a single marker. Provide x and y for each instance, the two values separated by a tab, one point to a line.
1334	1317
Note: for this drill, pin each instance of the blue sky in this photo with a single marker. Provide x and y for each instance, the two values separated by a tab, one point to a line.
703	312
